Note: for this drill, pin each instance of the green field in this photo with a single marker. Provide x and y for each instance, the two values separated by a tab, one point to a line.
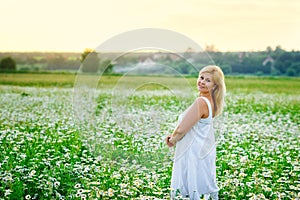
113	148
234	84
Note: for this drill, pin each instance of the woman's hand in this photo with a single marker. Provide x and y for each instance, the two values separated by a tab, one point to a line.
170	144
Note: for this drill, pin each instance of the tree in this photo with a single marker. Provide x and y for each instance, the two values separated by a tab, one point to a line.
211	48
8	64
56	63
227	69
89	61
106	66
269	50
294	69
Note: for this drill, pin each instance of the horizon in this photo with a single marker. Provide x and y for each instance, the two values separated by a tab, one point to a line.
238	51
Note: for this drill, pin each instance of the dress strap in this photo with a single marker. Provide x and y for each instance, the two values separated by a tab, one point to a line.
209	107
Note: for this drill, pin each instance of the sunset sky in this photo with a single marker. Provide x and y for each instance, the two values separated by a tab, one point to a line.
68	25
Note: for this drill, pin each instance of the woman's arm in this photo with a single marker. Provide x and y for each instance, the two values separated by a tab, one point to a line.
194	113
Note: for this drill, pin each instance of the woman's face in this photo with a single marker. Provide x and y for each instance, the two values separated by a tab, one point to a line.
205	83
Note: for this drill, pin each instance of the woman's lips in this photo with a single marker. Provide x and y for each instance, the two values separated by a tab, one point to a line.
201	87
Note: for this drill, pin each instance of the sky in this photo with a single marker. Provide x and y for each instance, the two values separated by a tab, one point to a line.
72	26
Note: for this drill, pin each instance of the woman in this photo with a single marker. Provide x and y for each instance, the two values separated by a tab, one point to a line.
194	168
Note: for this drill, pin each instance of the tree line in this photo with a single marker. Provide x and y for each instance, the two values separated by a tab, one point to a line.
273	62
269	62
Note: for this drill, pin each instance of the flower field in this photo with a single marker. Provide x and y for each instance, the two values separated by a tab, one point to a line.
46	153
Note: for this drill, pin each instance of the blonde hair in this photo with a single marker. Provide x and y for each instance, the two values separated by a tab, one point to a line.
219	91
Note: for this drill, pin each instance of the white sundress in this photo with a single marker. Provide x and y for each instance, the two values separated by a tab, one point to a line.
194	167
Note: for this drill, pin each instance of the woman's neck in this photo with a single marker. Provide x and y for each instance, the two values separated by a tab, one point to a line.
207	95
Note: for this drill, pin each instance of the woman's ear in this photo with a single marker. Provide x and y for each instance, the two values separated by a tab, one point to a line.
215	87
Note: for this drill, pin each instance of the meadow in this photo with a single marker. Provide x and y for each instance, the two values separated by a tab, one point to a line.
114	149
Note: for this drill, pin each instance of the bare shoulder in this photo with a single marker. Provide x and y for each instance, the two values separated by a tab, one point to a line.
202	107
200	101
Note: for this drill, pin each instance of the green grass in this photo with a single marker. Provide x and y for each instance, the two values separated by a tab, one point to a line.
285	85
37	80
276	85
107	145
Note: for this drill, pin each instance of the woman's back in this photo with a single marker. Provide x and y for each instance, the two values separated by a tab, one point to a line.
194	170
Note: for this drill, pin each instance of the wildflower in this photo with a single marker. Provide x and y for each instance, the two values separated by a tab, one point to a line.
58	163
86	170
83	196
77	186
249	184
110	192
32	173
261	196
138	182
292	187
126	178
23	155
243	159
56	184
27	196
8	178
80	191
7	192
77	195
99	193
144	198
151	184
94	183
268	189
